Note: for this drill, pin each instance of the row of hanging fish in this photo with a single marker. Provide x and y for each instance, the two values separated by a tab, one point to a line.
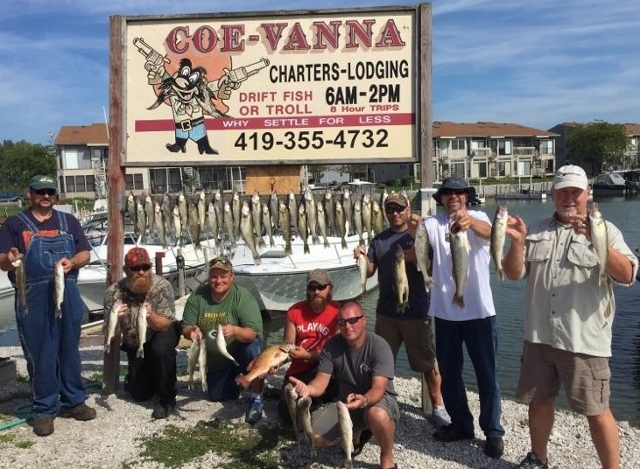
252	218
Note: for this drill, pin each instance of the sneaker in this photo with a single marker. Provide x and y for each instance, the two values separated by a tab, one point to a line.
452	433
254	412
532	462
159	411
439	417
43	426
80	412
494	447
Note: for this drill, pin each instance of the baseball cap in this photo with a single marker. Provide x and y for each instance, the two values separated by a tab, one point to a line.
570	176
320	276
396	198
40	181
220	262
136	256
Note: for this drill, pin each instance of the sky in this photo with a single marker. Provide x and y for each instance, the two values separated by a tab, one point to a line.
534	63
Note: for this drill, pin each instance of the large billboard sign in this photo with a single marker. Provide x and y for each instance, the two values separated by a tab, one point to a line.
301	87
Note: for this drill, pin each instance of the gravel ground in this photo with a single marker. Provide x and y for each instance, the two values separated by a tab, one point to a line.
112	439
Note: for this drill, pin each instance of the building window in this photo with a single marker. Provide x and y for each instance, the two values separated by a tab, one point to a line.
133	182
80	184
70	184
458	144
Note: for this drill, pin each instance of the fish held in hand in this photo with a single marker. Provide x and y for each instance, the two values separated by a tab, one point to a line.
304	414
198	356
423	262
221	345
363	269
400	281
599	239
346	433
59	287
112	321
498	236
460	249
291	398
272	357
21	282
142	330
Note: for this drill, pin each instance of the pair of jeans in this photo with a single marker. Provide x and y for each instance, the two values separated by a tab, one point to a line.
480	336
155	373
51	344
221	383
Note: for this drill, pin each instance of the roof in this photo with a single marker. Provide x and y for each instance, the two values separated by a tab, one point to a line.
486	129
632	129
94	134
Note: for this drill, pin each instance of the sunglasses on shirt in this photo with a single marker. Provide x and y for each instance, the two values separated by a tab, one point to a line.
353	321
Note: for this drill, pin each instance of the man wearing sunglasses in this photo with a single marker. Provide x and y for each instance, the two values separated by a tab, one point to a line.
362	364
413	326
233	307
472	324
310	323
142	292
39	238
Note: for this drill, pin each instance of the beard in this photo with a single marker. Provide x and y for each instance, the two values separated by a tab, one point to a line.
319	303
140	284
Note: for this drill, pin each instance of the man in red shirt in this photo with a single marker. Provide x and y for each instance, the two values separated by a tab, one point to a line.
309	324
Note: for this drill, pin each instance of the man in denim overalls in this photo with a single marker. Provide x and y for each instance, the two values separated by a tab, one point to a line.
41	237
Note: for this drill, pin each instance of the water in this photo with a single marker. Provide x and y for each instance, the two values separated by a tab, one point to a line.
508	297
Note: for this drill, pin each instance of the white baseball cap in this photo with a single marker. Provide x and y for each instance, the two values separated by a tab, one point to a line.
570	176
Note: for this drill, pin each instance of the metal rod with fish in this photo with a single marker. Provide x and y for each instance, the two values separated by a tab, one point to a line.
272	357
346	433
59	287
599	239
498	236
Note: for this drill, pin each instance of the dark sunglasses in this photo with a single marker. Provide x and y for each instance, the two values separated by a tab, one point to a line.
49	192
394	208
316	287
452	192
353	321
138	268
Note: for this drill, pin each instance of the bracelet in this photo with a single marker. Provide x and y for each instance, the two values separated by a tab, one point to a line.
366	402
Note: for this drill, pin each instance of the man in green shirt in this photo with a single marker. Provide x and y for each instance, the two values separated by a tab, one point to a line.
232	306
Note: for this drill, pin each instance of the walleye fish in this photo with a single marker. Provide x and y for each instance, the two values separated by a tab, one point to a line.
142	329
293	209
367	223
131	210
266	222
423	262
377	217
141	221
341	227
273	209
236	207
363	267
302	228
194	224
312	215
167	215
149	213
330	210
160	227
246	231
291	397
285	227
212	221
347	207
498	236
112	321
21	282
357	218
256	217
600	240
304	414
221	345
229	225
218	208
182	210
346	433
198	356
59	287
460	248
273	356
177	225
400	281
202	212
322	224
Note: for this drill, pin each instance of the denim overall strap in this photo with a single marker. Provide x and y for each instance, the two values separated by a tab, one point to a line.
50	344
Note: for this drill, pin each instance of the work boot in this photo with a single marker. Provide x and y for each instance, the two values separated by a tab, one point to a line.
80	412
180	145
204	147
43	426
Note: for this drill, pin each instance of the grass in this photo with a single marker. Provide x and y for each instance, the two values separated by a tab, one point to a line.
244	447
9	439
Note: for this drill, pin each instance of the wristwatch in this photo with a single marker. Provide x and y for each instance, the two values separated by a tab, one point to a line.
366	402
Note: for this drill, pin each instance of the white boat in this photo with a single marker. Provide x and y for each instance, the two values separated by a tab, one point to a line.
6	288
277	282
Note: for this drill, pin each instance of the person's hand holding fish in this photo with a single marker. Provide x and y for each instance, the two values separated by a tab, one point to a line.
299	387
67	265
299	353
196	334
356	401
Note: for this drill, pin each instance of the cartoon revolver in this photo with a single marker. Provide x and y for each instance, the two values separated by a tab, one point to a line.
232	79
154	60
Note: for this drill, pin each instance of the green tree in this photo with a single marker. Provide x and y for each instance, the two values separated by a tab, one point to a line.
20	161
597	143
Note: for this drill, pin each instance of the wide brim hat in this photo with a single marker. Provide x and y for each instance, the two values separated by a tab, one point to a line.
455	183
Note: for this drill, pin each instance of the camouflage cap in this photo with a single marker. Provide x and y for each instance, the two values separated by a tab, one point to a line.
137	256
221	262
396	198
